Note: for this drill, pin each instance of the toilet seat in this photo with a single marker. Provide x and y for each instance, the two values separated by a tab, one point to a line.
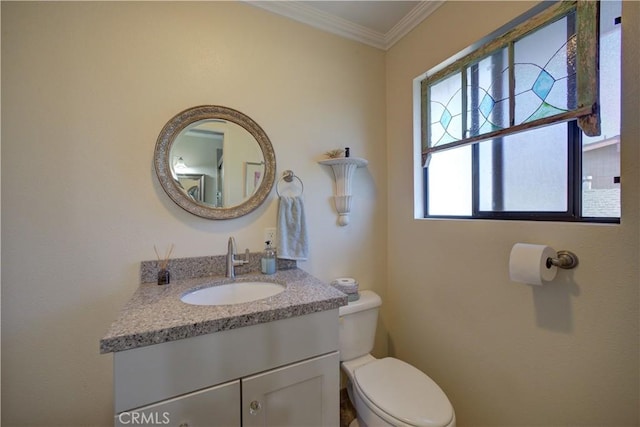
421	403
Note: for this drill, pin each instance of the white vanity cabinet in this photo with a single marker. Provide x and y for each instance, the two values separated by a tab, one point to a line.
280	373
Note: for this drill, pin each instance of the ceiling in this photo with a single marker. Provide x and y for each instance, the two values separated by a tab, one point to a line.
376	23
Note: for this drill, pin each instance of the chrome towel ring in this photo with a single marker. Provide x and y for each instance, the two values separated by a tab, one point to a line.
288	176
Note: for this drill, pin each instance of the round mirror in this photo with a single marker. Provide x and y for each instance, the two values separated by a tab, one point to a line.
215	162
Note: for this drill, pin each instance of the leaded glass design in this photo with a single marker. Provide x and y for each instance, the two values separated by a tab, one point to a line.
488	94
545	70
524	79
446	111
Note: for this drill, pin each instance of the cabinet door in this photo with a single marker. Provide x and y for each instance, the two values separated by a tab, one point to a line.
297	395
217	406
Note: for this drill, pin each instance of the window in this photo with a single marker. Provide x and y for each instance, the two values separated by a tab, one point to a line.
527	125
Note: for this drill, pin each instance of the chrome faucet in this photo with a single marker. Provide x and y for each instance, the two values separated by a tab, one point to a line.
232	262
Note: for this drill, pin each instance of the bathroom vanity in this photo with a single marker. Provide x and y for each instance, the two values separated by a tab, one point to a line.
273	361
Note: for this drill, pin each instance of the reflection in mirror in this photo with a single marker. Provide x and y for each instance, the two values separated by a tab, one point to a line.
193	184
253	173
220	162
217	149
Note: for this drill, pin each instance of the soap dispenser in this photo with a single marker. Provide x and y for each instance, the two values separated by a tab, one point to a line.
268	259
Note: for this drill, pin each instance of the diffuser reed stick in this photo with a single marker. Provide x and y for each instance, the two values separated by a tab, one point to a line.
163	263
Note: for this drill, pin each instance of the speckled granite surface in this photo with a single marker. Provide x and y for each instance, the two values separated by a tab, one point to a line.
155	314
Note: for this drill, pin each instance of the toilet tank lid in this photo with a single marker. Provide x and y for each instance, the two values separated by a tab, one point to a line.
421	403
368	299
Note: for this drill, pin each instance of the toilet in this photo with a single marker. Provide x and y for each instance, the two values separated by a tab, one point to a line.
385	392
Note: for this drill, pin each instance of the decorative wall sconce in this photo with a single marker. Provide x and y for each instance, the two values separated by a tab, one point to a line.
343	168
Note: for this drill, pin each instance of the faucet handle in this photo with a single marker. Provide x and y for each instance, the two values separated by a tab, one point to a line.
246	256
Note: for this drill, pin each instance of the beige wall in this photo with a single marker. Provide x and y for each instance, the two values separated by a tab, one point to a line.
508	354
86	89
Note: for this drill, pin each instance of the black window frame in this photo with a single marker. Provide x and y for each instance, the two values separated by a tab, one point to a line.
574	190
574	182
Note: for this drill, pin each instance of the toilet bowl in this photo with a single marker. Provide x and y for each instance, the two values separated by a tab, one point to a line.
385	392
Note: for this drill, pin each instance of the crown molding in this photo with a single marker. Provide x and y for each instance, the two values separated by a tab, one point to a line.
322	20
410	21
301	12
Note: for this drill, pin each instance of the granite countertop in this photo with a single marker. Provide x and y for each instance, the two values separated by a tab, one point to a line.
155	314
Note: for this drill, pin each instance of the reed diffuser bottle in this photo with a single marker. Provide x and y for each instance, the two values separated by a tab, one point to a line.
164	276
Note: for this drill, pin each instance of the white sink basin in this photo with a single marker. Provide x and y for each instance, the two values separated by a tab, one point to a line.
232	293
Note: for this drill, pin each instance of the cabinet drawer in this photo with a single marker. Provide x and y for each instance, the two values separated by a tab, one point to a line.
217	406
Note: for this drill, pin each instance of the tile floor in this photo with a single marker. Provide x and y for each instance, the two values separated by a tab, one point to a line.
347	411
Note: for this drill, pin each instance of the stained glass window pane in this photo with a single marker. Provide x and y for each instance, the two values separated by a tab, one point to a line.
488	94
445	111
545	71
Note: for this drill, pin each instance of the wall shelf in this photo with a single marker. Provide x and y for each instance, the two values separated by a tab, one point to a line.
343	168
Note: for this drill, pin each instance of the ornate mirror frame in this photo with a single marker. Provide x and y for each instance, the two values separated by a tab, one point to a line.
162	161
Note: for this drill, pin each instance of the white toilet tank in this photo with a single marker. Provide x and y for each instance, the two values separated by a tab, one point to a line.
358	321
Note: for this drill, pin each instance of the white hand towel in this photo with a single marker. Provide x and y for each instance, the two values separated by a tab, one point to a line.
292	240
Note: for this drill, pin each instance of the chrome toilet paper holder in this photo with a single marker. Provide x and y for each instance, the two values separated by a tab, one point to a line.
565	259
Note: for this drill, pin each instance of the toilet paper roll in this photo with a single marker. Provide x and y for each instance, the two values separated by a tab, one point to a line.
348	285
528	264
